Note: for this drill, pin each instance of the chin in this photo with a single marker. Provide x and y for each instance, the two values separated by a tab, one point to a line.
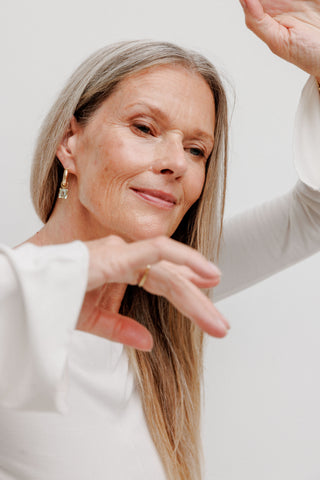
145	233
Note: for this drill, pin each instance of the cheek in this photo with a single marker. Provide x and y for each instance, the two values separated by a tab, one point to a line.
195	184
122	155
109	167
193	189
102	187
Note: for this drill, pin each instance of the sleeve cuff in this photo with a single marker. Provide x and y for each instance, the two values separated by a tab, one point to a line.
306	146
51	284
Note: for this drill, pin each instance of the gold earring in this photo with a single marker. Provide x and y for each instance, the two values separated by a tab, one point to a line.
63	190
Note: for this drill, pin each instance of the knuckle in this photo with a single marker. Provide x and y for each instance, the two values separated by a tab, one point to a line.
156	242
114	240
157	245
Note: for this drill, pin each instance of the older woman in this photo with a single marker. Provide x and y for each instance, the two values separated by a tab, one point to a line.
134	152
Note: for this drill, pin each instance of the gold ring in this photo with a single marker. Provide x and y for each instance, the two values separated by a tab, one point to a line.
144	276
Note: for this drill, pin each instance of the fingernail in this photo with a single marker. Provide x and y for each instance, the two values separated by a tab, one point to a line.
215	269
223	325
147	344
225	321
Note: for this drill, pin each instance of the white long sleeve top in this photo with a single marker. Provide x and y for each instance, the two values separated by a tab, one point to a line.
69	407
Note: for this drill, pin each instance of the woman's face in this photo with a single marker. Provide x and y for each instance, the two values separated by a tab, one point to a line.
140	160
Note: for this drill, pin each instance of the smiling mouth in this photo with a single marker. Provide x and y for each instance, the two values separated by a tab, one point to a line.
156	197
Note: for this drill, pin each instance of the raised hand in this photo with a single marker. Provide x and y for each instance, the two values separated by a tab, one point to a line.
177	273
291	29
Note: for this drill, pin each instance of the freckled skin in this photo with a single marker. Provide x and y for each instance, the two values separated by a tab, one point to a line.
127	143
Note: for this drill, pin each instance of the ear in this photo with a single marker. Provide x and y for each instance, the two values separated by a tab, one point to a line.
66	151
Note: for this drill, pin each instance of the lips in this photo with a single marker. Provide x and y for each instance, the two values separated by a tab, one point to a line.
157	197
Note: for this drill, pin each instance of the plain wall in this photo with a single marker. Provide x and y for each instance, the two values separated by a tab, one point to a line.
261	382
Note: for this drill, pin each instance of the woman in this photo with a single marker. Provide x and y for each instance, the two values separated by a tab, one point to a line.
138	142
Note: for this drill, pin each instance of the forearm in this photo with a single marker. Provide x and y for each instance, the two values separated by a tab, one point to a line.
269	238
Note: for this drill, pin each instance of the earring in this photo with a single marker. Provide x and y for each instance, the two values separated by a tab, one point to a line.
63	190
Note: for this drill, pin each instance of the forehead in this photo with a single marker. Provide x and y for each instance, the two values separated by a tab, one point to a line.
165	75
169	89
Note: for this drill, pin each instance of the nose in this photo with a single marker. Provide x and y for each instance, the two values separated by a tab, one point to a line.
170	158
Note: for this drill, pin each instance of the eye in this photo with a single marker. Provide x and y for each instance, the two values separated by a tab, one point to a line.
197	152
143	128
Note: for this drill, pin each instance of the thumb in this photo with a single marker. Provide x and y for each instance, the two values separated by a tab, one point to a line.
118	328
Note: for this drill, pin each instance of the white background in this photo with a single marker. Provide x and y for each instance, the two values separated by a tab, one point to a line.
261	419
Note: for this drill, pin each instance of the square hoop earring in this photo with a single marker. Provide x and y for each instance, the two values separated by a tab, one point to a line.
63	190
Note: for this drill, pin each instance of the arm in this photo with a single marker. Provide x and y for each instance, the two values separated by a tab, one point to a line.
281	232
269	238
285	230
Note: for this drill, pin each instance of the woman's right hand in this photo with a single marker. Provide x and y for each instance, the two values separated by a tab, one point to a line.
177	273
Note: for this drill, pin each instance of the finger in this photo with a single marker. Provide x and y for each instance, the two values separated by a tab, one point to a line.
111	295
114	261
119	328
197	280
262	24
162	248
190	275
188	299
197	307
179	271
253	8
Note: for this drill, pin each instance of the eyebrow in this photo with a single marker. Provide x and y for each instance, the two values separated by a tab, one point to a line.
161	114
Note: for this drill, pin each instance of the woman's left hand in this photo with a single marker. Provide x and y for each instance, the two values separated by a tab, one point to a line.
291	29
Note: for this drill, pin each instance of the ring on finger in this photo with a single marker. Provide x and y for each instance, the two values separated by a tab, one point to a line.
144	276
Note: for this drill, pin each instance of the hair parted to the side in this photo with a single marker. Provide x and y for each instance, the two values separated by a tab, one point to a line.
169	377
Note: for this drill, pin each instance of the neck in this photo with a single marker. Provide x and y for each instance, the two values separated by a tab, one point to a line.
66	224
69	221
